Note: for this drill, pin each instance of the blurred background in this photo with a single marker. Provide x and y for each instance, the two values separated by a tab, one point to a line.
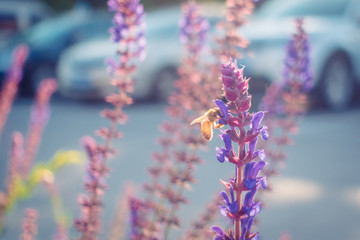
317	195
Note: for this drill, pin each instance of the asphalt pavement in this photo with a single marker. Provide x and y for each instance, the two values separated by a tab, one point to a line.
316	196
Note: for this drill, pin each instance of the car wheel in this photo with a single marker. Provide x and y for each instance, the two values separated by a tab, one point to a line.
164	83
337	83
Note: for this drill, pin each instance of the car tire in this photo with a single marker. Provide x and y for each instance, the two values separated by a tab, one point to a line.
337	83
164	84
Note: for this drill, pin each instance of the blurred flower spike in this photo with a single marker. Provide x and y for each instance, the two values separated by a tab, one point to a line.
10	86
129	28
193	27
297	62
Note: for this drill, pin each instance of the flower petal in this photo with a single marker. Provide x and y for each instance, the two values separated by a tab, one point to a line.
227	141
261	154
223	108
218	230
220	154
257	119
250	183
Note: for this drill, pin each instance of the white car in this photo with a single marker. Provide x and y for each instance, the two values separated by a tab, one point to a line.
82	70
333	27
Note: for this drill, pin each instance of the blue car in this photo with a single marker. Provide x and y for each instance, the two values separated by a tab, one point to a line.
48	39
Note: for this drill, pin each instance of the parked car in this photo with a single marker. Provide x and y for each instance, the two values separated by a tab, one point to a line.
48	39
82	71
18	15
334	34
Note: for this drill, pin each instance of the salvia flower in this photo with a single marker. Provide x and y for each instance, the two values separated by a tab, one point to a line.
231	43
220	235
251	209
128	33
10	85
251	179
232	205
173	172
286	101
224	116
40	114
243	131
193	27
235	88
129	27
225	153
297	62
95	185
17	155
29	225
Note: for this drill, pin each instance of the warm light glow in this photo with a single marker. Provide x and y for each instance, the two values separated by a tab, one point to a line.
353	196
286	190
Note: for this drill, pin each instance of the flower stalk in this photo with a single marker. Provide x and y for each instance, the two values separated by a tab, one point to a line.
243	131
287	102
128	33
10	86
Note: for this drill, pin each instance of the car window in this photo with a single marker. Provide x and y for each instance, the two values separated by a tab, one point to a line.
67	29
49	31
163	31
90	30
279	8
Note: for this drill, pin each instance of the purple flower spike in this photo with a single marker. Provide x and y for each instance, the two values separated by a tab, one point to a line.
128	22
113	5
193	27
297	62
236	86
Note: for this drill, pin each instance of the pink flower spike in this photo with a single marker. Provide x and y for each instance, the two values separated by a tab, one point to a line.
10	86
39	116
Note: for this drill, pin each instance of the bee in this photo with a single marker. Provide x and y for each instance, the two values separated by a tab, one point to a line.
208	122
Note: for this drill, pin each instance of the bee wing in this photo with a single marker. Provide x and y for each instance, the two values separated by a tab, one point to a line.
206	129
197	120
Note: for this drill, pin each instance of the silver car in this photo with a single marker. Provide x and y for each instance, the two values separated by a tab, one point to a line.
82	71
333	27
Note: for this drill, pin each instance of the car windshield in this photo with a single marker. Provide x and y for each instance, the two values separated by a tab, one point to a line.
280	8
77	26
45	31
156	24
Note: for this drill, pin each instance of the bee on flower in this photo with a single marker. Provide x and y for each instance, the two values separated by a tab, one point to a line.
208	122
